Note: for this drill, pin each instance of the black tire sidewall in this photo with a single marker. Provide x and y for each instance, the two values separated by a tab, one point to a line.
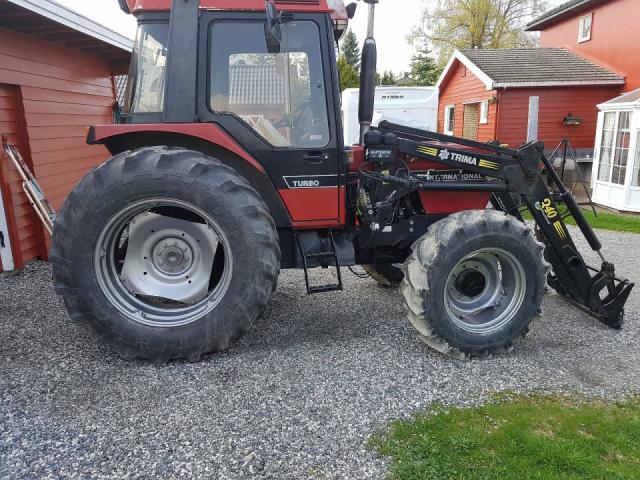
459	248
216	327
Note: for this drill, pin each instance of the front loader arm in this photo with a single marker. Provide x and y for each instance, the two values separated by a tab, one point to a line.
518	172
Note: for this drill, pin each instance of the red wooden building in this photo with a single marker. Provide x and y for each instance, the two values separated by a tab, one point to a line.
604	31
56	78
485	95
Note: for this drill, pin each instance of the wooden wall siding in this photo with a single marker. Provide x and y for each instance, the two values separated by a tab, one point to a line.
555	104
615	38
62	91
463	87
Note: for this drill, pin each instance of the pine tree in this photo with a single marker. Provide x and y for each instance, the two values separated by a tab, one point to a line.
351	49
349	76
388	78
424	70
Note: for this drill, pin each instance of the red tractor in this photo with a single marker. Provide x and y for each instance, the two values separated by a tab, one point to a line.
229	164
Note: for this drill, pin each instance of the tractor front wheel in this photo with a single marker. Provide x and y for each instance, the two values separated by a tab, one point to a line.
474	283
165	254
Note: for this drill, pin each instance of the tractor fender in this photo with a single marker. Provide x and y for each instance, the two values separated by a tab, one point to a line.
209	139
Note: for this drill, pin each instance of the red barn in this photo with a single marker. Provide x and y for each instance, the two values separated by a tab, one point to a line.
604	31
56	78
485	94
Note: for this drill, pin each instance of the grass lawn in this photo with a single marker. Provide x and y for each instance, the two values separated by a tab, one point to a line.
524	438
607	221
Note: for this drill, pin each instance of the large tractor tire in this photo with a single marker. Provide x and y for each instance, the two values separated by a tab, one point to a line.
388	275
474	283
165	254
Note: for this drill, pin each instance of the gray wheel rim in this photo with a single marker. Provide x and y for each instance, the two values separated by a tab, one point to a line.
165	277
485	290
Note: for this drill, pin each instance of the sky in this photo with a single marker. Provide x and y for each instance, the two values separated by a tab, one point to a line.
394	21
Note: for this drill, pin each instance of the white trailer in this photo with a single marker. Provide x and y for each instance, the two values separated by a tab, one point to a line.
410	106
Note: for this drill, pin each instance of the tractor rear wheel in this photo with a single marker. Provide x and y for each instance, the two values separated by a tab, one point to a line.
165	254
474	283
387	275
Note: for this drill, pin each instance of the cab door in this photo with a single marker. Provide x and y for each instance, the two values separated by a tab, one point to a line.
278	102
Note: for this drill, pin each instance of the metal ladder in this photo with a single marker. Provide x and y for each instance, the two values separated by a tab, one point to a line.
32	190
331	255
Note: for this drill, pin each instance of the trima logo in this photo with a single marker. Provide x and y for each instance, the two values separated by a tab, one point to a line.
458	157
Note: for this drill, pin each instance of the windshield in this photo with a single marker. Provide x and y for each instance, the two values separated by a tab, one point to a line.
281	96
147	76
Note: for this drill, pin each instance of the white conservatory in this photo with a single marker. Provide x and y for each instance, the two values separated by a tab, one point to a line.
616	170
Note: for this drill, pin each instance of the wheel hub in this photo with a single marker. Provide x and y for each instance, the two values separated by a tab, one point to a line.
471	283
485	290
169	258
172	256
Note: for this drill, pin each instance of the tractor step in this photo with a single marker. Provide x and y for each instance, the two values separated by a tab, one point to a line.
324	289
321	255
326	259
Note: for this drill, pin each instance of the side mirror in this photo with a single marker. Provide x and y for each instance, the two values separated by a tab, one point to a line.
351	10
124	6
273	29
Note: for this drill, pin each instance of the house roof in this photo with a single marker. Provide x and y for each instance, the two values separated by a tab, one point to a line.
531	67
567	9
630	98
55	23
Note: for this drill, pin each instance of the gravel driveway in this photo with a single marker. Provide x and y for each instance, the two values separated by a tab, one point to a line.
297	398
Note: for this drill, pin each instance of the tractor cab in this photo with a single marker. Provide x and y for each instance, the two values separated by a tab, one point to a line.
267	76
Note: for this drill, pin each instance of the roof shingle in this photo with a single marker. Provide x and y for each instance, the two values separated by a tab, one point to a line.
559	12
630	97
539	67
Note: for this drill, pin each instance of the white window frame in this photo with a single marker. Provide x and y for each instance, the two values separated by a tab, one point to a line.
616	131
484	112
635	167
449	119
581	23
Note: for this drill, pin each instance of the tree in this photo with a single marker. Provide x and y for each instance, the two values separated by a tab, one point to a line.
351	49
349	76
424	70
450	25
388	78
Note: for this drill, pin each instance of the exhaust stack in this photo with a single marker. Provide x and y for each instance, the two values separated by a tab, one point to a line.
368	68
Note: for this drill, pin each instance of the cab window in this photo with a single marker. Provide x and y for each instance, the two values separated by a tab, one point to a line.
147	75
280	95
